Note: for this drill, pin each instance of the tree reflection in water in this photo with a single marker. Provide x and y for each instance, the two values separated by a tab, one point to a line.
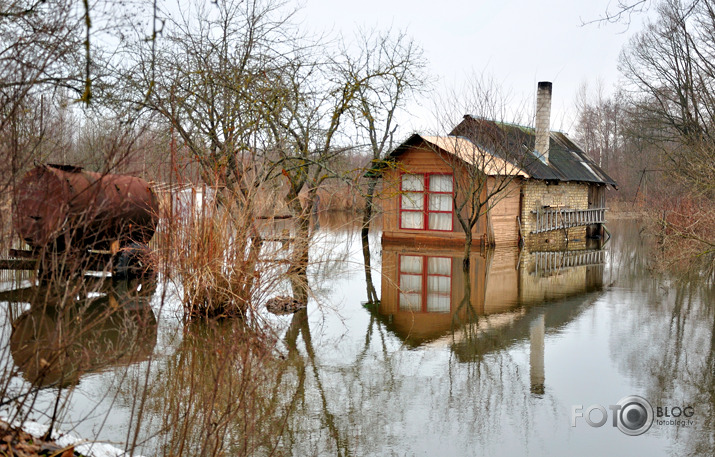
668	344
493	370
68	331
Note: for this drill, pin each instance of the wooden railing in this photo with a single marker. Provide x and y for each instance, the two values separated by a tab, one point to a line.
558	219
549	262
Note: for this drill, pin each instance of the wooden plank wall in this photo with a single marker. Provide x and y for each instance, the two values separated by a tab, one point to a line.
417	160
502	280
504	215
596	196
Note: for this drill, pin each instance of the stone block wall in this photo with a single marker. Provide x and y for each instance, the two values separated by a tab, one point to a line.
538	194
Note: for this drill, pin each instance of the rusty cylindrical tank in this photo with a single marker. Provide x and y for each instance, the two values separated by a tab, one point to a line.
58	206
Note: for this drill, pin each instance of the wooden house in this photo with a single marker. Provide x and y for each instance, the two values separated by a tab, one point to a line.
538	186
418	192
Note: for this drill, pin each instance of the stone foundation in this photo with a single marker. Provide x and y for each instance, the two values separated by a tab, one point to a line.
537	195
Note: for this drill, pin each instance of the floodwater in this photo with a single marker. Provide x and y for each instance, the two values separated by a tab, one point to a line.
544	340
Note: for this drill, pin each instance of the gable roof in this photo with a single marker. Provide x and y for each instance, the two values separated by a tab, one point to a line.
514	143
465	150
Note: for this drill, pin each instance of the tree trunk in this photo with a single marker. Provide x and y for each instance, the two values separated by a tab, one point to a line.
298	270
365	232
467	251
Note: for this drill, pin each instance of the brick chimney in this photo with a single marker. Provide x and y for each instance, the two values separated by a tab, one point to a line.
543	119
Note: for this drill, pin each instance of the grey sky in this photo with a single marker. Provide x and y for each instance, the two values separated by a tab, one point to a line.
517	42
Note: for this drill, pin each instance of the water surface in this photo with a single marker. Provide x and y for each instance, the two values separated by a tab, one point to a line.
424	372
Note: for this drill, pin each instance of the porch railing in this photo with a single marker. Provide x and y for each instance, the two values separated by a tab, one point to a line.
558	219
550	262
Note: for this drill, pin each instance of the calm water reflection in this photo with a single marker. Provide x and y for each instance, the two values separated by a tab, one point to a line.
423	374
428	372
65	334
423	291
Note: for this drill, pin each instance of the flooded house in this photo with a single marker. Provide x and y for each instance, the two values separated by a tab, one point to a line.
539	186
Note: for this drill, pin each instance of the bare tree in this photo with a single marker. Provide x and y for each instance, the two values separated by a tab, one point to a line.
39	43
599	127
484	158
303	107
620	12
198	79
671	75
399	68
315	96
257	104
610	131
203	77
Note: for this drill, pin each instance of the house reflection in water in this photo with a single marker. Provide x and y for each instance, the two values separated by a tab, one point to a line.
512	296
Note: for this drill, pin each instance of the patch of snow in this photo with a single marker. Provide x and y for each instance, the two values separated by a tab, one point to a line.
84	447
14	285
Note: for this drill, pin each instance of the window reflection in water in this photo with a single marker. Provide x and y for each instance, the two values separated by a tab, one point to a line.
425	283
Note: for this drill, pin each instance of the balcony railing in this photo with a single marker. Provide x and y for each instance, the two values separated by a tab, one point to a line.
557	219
550	262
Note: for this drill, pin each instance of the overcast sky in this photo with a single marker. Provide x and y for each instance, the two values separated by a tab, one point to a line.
517	42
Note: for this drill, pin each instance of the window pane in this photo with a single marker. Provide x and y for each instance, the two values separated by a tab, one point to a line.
440	221
413	220
437	303
410	283
439	202
440	183
413	182
439	266
410	302
413	200
438	284
411	264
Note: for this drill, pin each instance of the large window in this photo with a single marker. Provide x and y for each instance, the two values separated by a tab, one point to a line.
426	202
425	283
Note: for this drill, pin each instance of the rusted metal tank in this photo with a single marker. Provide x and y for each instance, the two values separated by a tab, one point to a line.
62	206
